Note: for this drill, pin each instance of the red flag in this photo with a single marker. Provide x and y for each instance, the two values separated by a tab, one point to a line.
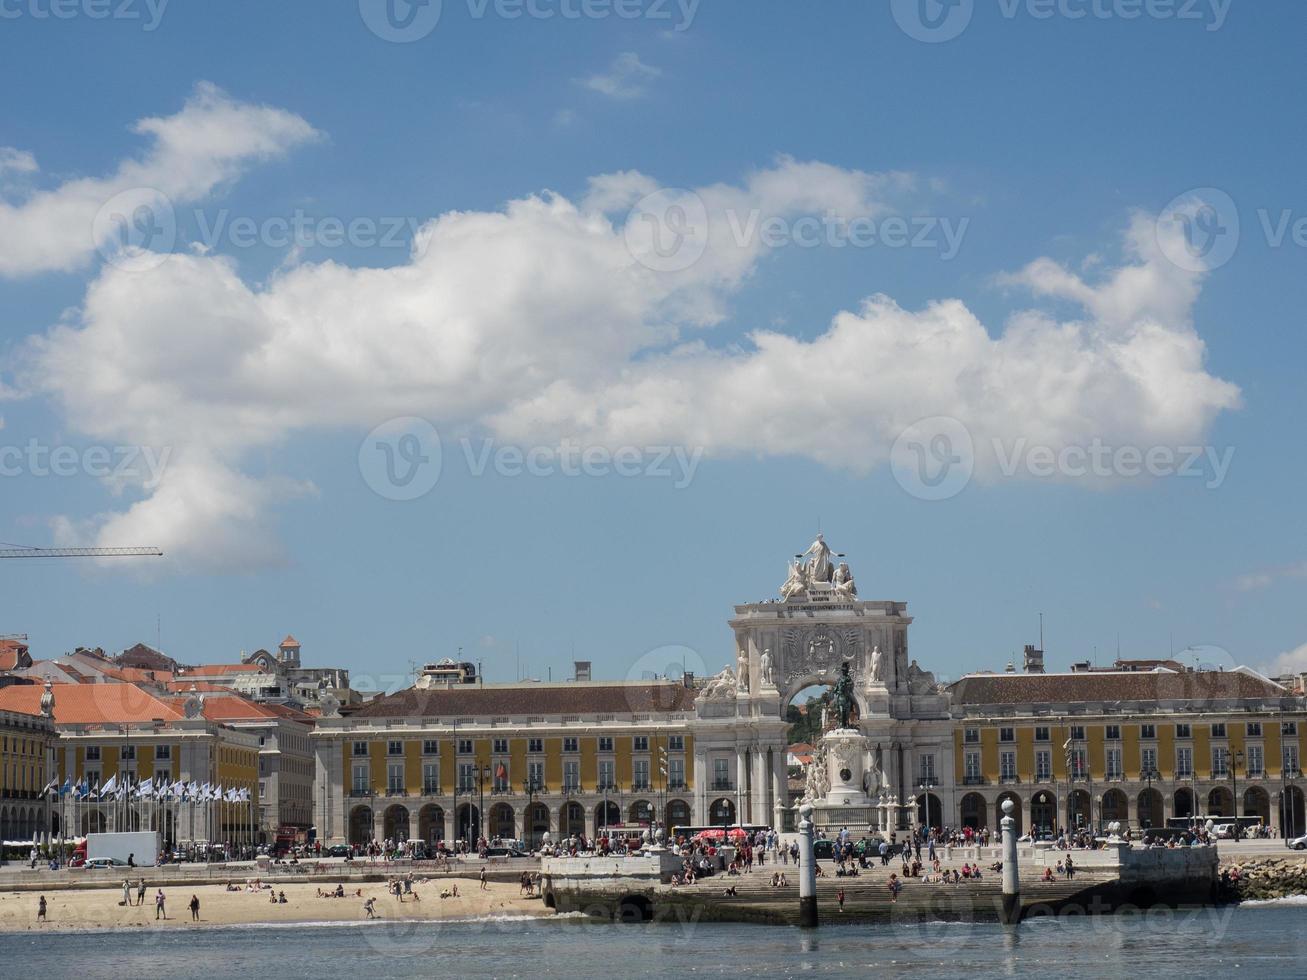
501	771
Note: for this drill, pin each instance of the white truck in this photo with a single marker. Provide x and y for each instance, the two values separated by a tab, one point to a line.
141	848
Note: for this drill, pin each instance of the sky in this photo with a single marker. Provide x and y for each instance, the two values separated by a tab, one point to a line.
552	330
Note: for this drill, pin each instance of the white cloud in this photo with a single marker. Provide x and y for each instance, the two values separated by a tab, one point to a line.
1266	577
625	78
536	324
1290	662
13	161
213	139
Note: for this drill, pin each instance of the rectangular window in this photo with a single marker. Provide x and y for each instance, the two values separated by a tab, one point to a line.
721	774
1007	735
430	746
1043	765
499	746
1220	761
1291	760
360	748
640	743
535	745
163	752
1254	729
394	747
92	779
675	743
395	778
464	746
1289	728
467	777
1079	764
926	768
571	776
93	753
1148	762
535	775
605	743
971	736
1078	733
1254	761
676	774
571	744
1113	733
431	778
973	768
1148	731
1182	730
1218	729
360	780
129	752
1041	733
1114	762
641	774
1184	762
606	779
1007	766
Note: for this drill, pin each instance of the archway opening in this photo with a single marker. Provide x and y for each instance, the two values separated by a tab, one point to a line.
1257	803
395	823
642	813
1077	810
360	825
1149	808
502	822
431	823
930	811
1220	802
571	820
1116	807
973	811
468	821
1043	813
537	824
607	814
721	813
678	815
1184	803
1292	821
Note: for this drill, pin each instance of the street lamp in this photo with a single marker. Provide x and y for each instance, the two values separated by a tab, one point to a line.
483	773
529	788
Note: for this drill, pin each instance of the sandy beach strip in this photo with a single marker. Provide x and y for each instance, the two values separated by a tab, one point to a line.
75	909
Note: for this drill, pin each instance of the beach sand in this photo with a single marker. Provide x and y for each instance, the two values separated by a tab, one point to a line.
100	908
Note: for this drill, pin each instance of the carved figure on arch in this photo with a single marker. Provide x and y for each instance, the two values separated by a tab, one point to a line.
765	669
742	671
720	687
797	582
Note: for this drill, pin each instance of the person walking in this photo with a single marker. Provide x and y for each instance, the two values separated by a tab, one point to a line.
195	908
1070	868
484	886
895	886
140	892
160	912
40	910
839	895
127	892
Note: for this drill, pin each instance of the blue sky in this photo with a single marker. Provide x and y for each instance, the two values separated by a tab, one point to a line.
1068	309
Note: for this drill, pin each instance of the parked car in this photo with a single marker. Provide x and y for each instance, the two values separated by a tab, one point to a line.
511	852
339	851
98	864
1299	843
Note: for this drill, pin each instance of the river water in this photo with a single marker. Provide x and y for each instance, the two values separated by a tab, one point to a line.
1264	941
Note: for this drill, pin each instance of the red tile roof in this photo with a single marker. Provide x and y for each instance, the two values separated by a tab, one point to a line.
290	641
1105	686
529	699
90	704
13	654
218	670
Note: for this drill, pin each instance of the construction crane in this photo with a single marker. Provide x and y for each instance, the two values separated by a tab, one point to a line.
20	552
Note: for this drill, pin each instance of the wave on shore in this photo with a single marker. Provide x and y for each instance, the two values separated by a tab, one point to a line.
1285	902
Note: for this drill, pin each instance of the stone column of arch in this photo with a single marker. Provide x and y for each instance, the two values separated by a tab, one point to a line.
741	784
699	814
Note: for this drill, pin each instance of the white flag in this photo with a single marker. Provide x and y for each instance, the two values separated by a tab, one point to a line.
109	786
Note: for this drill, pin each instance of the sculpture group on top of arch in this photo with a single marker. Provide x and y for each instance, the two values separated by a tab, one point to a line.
818	576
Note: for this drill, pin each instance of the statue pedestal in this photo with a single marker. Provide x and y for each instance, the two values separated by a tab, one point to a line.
845	804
